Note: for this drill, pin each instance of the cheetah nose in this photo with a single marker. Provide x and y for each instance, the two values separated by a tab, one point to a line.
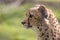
23	23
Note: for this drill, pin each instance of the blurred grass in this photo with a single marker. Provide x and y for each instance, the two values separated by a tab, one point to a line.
10	23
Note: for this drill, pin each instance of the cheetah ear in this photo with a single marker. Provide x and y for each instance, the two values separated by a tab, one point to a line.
43	10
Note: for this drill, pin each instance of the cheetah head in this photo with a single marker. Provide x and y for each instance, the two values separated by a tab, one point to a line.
35	16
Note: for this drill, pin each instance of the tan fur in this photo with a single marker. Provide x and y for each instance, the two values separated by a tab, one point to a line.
46	28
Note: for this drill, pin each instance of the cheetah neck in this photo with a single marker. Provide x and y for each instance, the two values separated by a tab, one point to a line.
53	21
49	31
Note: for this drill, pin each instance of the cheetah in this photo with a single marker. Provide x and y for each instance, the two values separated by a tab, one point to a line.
43	21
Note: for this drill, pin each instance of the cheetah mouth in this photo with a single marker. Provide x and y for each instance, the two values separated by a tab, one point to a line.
29	26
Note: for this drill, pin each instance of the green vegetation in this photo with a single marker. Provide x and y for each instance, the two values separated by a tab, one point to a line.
10	23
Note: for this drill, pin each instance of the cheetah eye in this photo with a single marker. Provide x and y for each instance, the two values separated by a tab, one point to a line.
30	16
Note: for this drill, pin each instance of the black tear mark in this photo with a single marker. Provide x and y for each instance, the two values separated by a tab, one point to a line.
29	24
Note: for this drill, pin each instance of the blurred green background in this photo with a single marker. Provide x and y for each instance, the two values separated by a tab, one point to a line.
11	17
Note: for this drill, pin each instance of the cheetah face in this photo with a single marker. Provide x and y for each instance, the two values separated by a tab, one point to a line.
34	16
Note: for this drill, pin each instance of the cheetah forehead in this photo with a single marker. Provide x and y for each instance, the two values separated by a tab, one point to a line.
36	7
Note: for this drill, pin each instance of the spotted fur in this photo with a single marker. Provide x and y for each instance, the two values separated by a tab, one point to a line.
43	21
